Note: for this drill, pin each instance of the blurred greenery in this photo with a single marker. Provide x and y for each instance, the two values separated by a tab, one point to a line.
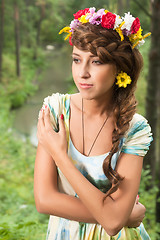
18	216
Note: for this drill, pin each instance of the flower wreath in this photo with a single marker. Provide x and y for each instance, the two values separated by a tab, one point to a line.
125	26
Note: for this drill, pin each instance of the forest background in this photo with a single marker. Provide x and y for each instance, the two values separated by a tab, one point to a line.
29	42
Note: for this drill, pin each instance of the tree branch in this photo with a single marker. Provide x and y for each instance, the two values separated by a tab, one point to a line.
144	10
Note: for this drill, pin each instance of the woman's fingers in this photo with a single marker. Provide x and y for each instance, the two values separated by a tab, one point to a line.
47	121
61	124
137	199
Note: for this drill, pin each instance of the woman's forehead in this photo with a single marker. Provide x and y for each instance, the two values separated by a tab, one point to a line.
77	51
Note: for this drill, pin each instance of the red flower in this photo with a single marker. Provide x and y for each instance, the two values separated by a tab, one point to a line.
135	26
70	41
108	20
81	13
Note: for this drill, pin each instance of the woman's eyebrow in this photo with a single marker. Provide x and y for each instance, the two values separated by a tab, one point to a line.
79	55
75	54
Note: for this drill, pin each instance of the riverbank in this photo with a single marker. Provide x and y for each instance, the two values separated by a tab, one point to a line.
19	218
53	79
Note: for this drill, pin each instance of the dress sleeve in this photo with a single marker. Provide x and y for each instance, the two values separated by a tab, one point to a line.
54	102
138	137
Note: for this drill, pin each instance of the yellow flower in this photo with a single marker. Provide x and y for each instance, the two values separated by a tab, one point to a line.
123	79
139	33
137	36
106	11
83	19
67	30
119	30
120	33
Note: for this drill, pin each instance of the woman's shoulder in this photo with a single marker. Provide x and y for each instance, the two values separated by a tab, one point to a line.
60	97
137	120
138	137
138	124
54	97
60	103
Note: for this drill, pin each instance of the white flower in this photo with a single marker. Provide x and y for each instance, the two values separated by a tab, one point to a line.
141	42
92	10
118	21
128	19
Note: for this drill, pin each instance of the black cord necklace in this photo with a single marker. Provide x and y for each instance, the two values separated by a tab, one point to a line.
96	135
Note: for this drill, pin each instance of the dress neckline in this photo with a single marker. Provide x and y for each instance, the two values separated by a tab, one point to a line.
84	156
70	140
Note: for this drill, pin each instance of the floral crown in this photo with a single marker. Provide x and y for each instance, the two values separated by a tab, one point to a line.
125	26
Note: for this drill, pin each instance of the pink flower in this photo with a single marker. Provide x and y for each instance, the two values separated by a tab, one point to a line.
81	13
75	23
95	17
108	20
135	26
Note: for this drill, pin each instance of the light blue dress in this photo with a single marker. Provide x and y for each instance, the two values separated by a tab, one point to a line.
136	141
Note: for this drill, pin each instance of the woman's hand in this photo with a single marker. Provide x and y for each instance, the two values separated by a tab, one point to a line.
137	214
54	143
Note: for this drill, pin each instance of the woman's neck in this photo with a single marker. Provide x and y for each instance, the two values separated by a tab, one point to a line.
97	107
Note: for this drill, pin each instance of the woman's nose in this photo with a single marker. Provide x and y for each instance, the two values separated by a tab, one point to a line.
84	72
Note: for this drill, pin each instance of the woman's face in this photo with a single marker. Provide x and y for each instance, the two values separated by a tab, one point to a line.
92	78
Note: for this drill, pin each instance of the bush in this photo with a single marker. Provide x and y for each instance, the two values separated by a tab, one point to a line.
148	194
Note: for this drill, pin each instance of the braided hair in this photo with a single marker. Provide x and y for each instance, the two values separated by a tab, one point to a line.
107	45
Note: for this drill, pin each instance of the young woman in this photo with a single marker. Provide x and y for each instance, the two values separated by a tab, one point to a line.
92	143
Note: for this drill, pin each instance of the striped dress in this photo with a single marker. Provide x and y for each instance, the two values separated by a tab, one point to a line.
136	141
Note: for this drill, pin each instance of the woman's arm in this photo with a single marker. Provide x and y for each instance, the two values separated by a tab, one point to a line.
47	197
137	215
50	201
111	212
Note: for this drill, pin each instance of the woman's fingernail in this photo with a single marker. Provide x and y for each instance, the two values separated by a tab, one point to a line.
62	116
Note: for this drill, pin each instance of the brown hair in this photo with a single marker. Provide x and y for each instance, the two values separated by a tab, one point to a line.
107	45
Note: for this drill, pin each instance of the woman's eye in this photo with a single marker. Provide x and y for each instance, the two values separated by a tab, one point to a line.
97	62
76	60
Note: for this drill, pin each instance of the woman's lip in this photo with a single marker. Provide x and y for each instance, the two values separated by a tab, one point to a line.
85	85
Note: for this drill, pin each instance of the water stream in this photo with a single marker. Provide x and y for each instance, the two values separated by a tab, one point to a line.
53	80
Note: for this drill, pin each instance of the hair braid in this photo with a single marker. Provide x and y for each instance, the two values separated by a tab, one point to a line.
107	45
124	113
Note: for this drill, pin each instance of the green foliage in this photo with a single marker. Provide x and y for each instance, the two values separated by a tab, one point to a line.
138	11
16	88
142	81
19	218
147	194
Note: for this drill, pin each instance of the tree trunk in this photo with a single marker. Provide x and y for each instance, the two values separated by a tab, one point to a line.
153	83
41	6
1	34
153	100
128	5
42	14
17	37
120	7
158	128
